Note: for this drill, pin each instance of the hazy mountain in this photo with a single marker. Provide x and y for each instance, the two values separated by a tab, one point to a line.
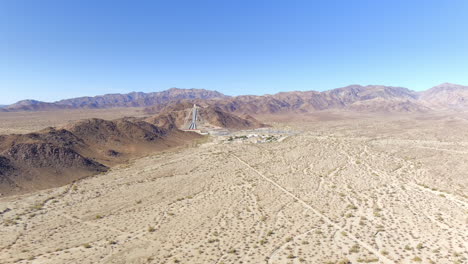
446	95
140	99
373	98
34	105
134	99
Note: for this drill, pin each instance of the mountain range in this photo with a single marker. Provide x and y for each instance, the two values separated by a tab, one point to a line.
376	98
371	98
134	99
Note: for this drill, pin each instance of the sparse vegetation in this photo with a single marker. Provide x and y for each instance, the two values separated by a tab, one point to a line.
301	201
354	249
407	247
367	260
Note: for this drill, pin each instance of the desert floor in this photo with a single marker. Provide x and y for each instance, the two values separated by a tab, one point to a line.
26	122
369	189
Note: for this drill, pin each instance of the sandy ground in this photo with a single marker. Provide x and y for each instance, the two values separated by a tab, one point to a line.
26	122
366	190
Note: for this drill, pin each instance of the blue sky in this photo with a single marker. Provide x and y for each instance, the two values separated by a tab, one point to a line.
51	50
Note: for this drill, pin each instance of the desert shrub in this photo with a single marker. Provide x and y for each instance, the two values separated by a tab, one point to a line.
354	249
367	260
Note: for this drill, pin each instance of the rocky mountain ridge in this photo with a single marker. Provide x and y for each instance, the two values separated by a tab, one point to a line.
134	99
373	98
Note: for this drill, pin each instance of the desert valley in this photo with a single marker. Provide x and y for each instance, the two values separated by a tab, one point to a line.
359	174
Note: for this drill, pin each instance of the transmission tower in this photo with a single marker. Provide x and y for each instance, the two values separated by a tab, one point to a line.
195	118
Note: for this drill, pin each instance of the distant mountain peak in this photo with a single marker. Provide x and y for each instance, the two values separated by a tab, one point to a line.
447	85
133	99
28	101
446	95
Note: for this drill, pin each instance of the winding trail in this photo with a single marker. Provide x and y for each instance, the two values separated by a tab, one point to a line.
381	257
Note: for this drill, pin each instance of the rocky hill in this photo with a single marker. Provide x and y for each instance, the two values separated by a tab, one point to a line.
57	156
176	115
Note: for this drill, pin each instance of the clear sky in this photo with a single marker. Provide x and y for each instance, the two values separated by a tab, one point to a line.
52	50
